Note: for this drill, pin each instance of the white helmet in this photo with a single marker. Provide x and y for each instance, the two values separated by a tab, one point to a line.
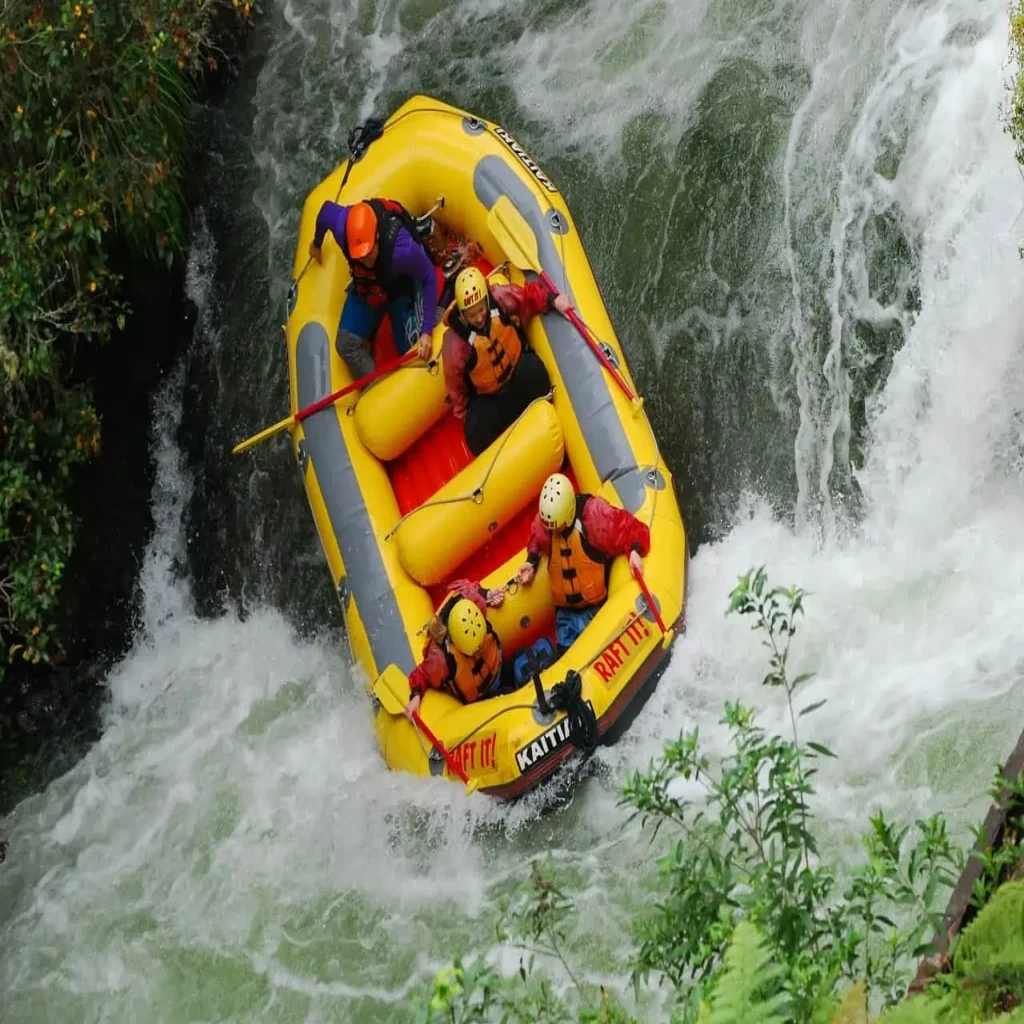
557	502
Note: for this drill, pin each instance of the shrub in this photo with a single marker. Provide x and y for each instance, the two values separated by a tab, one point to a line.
94	117
742	884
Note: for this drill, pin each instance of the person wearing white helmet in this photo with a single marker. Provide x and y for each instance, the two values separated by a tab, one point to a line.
580	534
462	655
491	373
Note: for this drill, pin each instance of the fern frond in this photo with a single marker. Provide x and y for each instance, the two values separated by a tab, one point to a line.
747	992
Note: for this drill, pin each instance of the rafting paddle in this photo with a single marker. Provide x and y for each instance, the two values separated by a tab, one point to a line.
666	634
387	688
519	242
290	421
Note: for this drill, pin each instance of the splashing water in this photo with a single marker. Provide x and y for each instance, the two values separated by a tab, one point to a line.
804	217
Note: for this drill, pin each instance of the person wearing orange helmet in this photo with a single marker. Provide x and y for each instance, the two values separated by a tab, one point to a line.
391	273
462	655
490	371
580	534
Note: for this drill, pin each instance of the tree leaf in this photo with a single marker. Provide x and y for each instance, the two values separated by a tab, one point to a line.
820	749
813	707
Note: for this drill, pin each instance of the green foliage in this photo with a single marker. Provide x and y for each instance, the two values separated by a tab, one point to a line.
94	115
751	925
1014	115
854	1007
477	994
1013	112
918	1011
1004	861
748	990
37	456
991	951
746	851
532	923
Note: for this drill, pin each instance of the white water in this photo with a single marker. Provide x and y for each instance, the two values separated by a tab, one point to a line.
233	847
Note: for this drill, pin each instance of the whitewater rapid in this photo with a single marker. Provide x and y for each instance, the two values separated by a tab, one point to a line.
233	847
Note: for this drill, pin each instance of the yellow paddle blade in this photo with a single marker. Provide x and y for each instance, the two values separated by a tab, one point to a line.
514	235
391	688
263	435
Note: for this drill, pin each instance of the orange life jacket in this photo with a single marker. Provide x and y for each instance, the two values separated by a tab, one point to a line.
471	677
577	570
496	351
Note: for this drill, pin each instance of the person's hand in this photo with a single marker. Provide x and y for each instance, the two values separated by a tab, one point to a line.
413	706
496	597
636	563
436	630
315	252
562	304
526	573
425	347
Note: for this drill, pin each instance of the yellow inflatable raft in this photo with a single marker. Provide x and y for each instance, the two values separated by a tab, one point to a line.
402	508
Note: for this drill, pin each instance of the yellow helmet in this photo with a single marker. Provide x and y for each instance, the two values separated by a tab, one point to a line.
557	502
467	627
470	288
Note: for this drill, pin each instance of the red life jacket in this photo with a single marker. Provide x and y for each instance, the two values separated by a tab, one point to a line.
377	285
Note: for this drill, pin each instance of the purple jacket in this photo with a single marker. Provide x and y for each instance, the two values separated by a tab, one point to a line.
410	259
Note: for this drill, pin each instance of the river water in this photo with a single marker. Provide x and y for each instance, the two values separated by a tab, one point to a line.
804	216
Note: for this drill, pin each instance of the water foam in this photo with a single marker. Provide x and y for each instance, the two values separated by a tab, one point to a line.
235	835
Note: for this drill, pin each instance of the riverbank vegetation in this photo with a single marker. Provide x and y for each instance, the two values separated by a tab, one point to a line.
95	111
1013	112
751	923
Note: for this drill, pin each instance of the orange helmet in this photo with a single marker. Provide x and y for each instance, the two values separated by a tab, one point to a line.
360	230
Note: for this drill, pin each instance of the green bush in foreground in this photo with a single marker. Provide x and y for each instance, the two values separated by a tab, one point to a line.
94	116
1014	114
751	925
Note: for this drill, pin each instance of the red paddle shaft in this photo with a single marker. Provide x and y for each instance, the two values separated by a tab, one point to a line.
639	577
453	766
355	385
598	351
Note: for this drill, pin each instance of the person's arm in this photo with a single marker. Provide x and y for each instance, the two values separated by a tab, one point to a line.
540	542
455	353
472	591
527	300
331	217
431	673
614	531
411	260
522	301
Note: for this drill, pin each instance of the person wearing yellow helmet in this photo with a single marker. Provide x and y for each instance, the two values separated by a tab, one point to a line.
490	371
462	655
580	534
